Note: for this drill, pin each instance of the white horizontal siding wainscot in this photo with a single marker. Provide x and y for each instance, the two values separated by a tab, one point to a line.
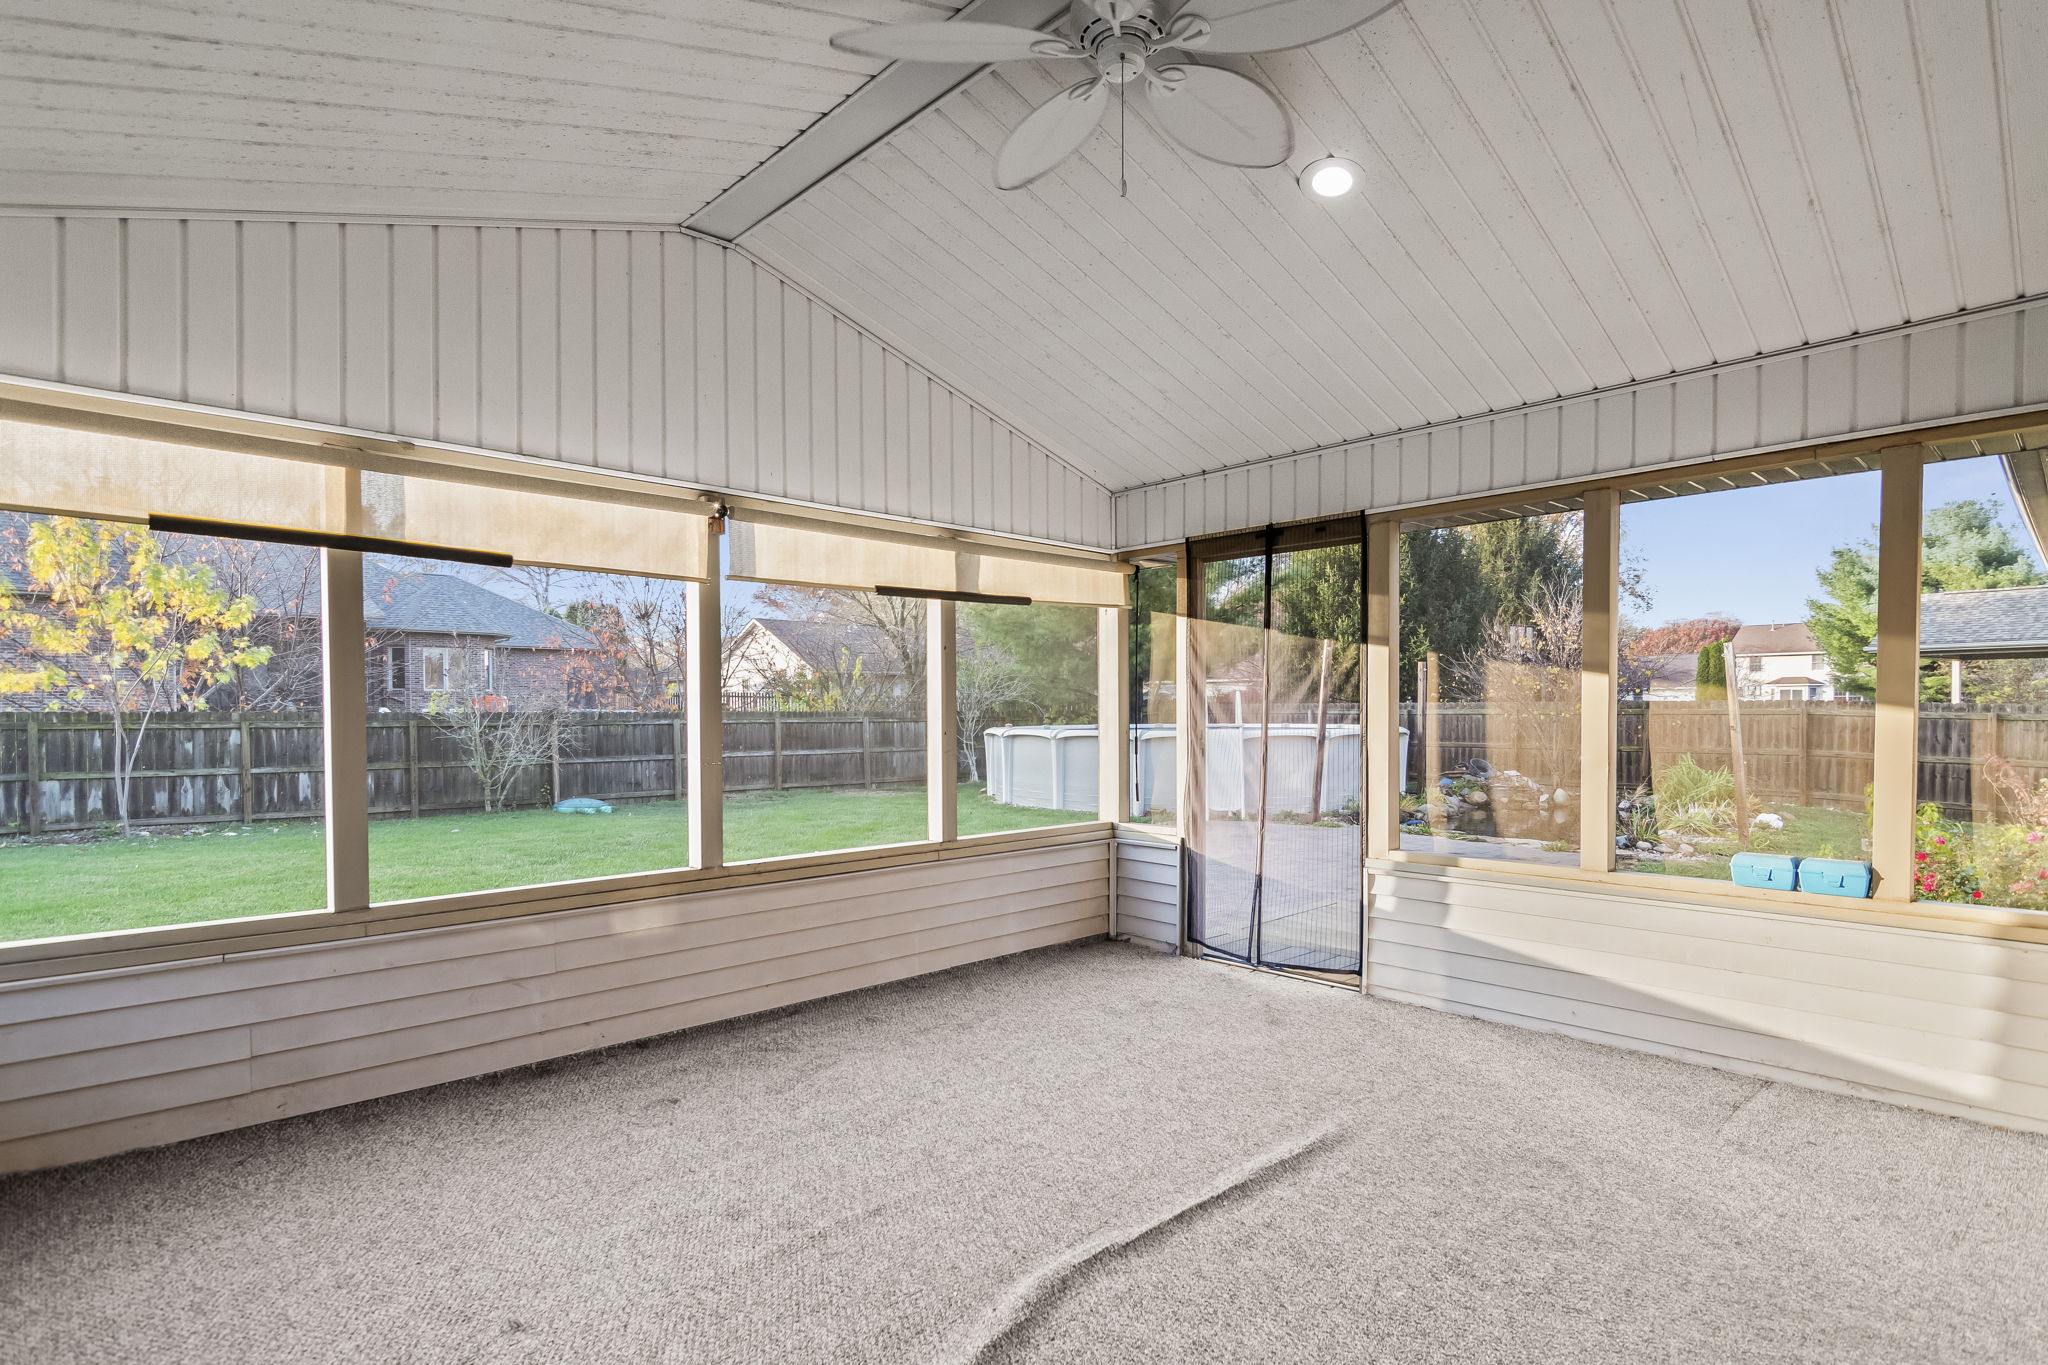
645	352
1944	1021
1980	364
1148	889
109	1061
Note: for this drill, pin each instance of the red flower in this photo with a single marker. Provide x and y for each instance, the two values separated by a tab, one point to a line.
1976	895
1920	857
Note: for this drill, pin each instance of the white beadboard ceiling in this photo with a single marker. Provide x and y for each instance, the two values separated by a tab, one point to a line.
1560	196
631	111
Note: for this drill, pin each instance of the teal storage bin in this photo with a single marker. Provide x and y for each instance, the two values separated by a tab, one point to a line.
1771	871
1834	877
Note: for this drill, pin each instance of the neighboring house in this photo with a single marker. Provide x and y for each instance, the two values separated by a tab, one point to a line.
1983	623
1781	662
433	635
771	655
428	634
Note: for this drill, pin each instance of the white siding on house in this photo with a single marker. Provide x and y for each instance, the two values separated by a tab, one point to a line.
1936	1020
1991	361
108	1061
647	352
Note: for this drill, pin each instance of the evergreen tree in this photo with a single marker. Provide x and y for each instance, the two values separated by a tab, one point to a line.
1710	674
1963	545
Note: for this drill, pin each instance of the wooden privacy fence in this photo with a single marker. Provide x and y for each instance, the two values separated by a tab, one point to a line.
197	768
1797	753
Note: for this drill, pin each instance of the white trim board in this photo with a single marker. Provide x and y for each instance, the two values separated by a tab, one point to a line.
1977	364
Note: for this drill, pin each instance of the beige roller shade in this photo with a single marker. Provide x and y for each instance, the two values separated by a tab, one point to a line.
818	558
71	472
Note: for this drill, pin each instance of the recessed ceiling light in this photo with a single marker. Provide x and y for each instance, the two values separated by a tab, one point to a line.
1331	178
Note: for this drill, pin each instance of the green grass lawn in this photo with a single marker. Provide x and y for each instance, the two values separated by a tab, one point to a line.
1810	832
228	871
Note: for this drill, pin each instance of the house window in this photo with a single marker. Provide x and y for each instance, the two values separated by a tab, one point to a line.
394	670
161	756
437	668
1748	760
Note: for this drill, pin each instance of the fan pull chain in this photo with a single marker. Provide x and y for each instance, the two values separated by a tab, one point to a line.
1123	182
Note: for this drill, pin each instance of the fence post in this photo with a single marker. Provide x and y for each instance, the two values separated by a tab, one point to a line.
412	764
775	763
1805	752
248	779
681	742
867	751
34	795
1985	739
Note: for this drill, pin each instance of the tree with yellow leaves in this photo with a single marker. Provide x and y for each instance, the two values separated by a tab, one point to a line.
101	620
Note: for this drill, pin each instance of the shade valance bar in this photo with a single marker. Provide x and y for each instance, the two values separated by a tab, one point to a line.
117	476
816	556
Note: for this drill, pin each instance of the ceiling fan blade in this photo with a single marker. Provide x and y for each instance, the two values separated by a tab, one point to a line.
952	42
1221	115
1271	25
1051	133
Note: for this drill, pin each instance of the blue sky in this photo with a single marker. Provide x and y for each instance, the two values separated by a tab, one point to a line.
1753	553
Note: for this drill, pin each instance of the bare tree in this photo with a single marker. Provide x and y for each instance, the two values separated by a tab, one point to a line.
498	740
985	684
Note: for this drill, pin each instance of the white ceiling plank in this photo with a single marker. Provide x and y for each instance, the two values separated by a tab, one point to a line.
1402	264
1882	65
1959	93
1245	269
818	240
1429	133
1553	146
435	41
1816	101
1747	95
2021	54
1604	71
1117	249
1672	81
1166	334
542	110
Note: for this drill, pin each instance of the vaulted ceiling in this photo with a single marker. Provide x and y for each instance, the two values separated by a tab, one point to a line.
1560	195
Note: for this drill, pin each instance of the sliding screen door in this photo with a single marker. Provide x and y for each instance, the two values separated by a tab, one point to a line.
1275	835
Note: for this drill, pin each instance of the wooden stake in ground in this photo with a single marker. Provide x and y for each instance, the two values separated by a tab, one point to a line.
1427	708
1315	781
1735	763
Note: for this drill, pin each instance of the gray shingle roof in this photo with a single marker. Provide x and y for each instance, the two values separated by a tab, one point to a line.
1985	623
830	646
1787	637
396	598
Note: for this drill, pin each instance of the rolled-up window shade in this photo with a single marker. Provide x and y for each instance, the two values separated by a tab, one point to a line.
93	474
813	558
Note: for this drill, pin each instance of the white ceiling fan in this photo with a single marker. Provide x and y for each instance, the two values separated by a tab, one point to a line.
1210	111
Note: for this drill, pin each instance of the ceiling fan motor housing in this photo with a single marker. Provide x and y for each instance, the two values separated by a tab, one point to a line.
1119	50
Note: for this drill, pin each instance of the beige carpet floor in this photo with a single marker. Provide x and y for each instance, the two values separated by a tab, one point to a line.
1091	1154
